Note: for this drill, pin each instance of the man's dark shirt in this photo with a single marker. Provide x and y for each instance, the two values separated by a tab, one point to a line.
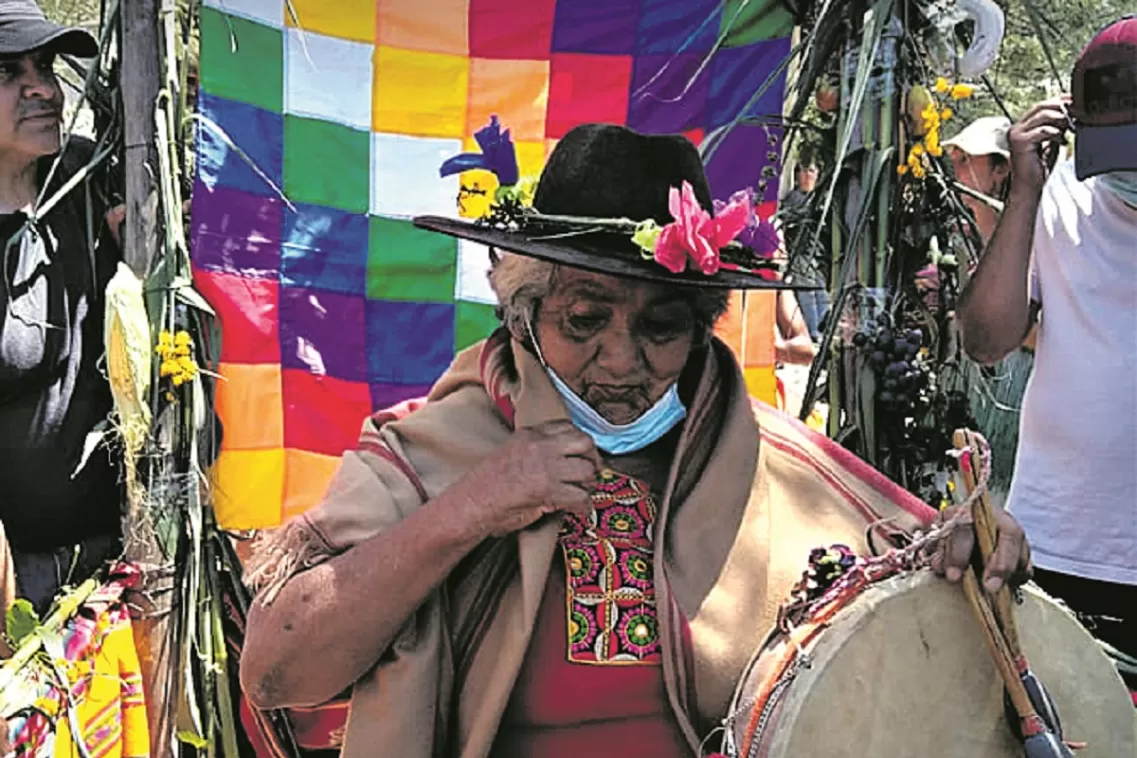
806	267
52	391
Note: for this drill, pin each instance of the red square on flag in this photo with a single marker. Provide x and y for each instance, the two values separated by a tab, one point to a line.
249	310
323	414
512	30
585	89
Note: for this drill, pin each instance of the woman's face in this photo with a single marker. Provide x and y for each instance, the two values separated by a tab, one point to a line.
618	343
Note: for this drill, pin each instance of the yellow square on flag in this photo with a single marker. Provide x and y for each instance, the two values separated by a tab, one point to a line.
347	19
762	383
306	480
248	486
419	94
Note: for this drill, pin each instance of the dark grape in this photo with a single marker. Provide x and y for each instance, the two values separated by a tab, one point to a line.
900	348
915	336
878	358
887	397
860	339
896	369
890	384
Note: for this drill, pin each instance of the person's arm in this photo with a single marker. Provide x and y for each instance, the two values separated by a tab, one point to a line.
995	311
330	624
792	343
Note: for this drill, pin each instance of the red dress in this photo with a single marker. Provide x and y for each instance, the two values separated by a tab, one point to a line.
592	680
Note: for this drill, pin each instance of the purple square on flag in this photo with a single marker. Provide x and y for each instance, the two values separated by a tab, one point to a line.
678	26
738	73
234	231
385	395
596	26
325	248
669	93
736	162
323	333
408	343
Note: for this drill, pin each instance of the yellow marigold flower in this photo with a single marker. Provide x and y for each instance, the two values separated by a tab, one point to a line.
961	91
165	338
902	169
917	150
946	113
179	380
182	338
941	85
168	368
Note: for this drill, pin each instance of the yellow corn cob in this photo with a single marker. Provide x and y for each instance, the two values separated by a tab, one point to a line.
127	337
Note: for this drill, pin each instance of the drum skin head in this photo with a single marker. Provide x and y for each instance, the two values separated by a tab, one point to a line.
904	671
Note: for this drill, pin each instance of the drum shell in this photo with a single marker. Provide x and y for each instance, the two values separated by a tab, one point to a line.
903	671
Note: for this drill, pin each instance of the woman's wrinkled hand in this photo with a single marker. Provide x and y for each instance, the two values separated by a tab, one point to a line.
547	468
1008	564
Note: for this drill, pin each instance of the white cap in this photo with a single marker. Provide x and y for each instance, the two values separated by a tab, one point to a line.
984	136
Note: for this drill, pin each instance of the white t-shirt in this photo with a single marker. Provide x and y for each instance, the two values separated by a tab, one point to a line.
1075	483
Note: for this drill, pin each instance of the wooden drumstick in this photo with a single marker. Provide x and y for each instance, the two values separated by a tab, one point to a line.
987	536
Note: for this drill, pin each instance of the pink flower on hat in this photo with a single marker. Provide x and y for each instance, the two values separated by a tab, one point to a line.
696	234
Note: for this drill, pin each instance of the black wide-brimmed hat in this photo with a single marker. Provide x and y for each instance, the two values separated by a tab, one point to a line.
599	183
24	28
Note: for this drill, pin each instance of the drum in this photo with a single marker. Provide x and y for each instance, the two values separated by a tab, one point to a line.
898	668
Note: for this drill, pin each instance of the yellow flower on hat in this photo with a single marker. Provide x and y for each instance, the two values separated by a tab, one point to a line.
942	85
961	91
476	194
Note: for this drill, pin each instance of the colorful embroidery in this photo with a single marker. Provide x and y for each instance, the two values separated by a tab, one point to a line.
608	563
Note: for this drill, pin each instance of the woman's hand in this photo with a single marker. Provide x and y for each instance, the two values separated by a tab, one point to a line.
547	468
1009	563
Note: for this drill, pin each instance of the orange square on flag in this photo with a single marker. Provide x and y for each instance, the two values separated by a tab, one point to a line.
516	91
306	479
249	399
433	26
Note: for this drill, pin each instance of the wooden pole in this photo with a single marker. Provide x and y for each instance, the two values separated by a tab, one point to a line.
155	627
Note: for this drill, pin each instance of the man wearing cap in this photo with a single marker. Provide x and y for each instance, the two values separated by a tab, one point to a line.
1065	248
980	155
59	514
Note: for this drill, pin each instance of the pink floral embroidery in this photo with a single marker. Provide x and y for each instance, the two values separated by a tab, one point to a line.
696	234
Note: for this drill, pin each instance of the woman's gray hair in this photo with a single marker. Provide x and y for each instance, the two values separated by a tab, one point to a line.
521	282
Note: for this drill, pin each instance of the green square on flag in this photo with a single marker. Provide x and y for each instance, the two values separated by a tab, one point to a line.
407	263
327	164
242	60
473	322
745	22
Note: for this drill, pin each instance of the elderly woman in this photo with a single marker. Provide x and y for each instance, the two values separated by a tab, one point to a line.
578	539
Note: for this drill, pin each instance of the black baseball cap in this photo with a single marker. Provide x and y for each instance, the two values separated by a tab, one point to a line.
24	28
1105	101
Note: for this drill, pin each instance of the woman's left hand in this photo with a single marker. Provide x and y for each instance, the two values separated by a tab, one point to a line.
1009	563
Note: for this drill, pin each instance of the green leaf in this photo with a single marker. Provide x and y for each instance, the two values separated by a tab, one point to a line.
191	739
22	620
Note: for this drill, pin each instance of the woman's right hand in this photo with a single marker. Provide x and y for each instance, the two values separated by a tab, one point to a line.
542	469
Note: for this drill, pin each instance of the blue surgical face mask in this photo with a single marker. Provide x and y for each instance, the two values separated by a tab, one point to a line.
617	439
1123	184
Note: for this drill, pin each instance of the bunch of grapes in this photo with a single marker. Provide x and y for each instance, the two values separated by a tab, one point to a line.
894	356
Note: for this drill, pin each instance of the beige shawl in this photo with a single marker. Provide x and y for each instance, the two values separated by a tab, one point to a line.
768	490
